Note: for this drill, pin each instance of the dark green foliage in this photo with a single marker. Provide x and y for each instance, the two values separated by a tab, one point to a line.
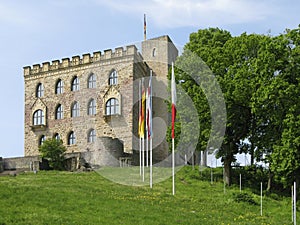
259	76
244	197
53	150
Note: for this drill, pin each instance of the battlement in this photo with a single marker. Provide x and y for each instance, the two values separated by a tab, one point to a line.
77	60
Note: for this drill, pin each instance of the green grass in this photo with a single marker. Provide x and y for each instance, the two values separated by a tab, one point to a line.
87	198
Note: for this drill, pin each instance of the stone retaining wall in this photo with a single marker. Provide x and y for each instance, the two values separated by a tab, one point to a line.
29	163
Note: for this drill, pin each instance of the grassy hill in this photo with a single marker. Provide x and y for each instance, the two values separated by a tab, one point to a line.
51	197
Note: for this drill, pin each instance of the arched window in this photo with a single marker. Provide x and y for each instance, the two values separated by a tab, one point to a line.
42	139
154	52
92	107
39	90
112	107
59	112
92	136
59	89
75	84
57	136
72	138
92	81
75	110
113	78
38	117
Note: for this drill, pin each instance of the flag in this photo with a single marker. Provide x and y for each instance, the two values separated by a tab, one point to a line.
142	112
149	108
145	27
173	95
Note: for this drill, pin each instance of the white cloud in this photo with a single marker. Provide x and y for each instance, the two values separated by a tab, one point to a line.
178	13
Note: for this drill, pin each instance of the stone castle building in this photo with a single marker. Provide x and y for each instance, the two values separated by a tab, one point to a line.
90	102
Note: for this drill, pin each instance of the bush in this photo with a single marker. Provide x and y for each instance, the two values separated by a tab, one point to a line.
244	197
54	151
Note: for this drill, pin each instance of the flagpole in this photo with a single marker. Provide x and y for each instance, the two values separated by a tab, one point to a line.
139	127
295	204
173	166
143	157
149	134
173	96
140	157
147	144
151	178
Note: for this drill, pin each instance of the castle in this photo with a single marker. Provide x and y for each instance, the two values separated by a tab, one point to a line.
95	97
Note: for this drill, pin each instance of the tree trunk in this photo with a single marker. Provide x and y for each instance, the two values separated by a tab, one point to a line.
227	171
252	154
270	178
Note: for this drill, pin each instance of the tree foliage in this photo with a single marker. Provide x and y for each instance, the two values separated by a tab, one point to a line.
53	150
259	77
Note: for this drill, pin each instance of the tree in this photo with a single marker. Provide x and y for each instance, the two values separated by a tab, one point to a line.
286	154
234	62
259	78
53	150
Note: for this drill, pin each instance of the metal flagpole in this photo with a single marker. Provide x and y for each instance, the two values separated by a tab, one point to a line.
147	143
140	157
240	182
261	189
174	98
295	204
151	181
143	157
173	165
139	128
150	134
292	203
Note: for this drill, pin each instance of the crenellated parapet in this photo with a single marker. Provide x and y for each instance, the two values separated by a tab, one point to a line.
80	60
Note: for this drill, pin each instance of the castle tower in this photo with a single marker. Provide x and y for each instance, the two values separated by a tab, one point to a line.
159	53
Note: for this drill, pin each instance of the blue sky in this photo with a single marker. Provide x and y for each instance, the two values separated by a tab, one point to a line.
33	32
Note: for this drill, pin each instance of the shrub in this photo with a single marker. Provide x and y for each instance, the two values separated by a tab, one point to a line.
54	151
244	197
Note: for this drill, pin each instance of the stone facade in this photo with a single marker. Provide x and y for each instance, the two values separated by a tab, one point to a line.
50	108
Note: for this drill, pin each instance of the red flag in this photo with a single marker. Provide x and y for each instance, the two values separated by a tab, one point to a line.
173	95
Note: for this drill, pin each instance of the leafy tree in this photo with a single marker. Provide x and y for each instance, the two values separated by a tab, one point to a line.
53	150
259	78
286	154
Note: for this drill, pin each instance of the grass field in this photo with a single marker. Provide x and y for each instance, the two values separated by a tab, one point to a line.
52	197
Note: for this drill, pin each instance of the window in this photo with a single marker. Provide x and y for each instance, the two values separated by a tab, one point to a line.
112	107
113	78
39	90
92	81
59	112
92	107
92	136
75	109
42	139
75	84
57	136
154	52
72	138
38	118
59	87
